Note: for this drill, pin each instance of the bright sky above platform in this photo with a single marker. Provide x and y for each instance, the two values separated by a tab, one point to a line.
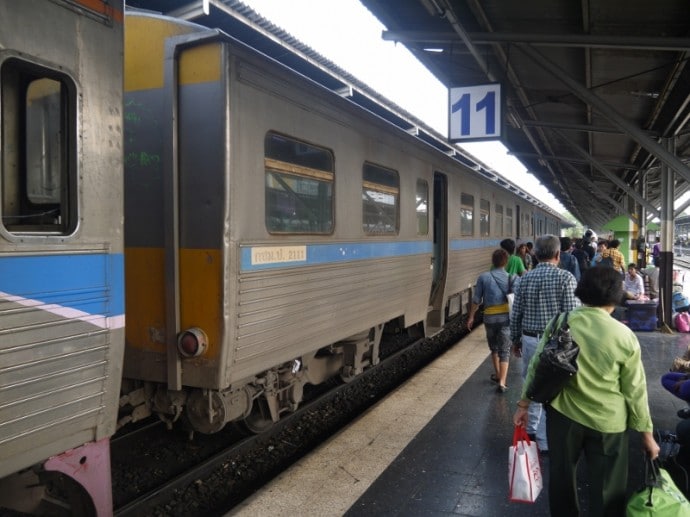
346	33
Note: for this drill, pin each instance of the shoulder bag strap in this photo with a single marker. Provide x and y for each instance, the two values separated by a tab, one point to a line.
554	323
499	285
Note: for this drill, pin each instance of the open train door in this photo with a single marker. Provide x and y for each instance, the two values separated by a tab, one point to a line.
440	259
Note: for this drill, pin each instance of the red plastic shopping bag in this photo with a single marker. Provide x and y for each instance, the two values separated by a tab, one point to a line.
524	469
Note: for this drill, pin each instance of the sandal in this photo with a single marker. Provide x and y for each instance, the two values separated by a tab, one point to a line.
502	389
494	378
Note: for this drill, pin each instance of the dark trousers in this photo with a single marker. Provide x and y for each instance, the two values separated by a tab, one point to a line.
606	456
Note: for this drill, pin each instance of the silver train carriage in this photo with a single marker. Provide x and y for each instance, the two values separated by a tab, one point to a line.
274	228
61	238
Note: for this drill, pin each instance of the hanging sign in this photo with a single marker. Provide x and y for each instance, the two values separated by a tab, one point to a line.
475	112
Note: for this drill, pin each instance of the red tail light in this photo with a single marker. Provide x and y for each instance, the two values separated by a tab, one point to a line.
192	342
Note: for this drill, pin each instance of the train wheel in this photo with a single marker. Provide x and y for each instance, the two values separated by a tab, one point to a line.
259	420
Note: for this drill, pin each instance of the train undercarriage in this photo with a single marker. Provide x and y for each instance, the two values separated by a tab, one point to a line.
257	402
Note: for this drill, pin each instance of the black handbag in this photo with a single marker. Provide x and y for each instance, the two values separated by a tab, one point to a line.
557	362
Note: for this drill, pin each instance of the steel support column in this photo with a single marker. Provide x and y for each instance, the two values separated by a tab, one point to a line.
666	264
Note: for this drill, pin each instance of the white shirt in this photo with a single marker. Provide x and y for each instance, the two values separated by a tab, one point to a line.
634	285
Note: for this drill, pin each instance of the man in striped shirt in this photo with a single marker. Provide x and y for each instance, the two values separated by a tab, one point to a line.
544	292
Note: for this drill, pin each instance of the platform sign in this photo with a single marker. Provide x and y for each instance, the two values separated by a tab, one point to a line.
475	112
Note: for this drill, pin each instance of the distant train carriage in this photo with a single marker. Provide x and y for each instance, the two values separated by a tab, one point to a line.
274	229
61	241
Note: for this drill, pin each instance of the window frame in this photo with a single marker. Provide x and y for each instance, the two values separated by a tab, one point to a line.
498	225
484	217
508	222
372	177
283	171
466	207
22	213
422	200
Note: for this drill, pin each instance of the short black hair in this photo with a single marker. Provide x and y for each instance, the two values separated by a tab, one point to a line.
600	286
508	245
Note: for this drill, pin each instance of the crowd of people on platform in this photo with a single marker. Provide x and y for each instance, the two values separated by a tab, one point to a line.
586	278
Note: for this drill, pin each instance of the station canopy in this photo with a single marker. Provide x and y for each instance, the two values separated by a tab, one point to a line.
597	92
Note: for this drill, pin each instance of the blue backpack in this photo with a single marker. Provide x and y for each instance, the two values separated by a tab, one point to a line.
679	301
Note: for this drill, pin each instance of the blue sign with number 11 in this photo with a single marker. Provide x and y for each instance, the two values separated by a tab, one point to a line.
475	112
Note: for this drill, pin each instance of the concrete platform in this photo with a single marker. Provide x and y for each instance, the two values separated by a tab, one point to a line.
439	444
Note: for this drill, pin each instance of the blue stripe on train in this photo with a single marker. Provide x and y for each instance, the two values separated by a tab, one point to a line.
273	257
92	283
471	244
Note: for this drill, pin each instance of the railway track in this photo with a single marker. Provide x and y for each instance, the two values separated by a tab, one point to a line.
682	261
231	472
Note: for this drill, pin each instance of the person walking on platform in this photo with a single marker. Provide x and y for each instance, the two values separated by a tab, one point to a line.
614	255
525	256
601	246
591	415
515	265
492	288
656	252
567	260
530	250
544	292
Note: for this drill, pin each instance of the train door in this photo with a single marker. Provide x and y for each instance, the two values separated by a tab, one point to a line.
518	223
440	259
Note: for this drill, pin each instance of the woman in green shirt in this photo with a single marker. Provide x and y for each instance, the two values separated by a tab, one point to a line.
606	397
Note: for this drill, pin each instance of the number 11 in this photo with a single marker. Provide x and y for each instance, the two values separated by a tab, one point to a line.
487	103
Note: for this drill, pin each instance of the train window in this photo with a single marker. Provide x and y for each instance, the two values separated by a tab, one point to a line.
509	221
526	230
422	204
484	217
299	186
380	200
38	149
499	220
466	214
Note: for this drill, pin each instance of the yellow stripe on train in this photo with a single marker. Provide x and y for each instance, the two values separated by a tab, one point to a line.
145	51
201	283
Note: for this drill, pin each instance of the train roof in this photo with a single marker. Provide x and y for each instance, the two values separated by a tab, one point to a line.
247	26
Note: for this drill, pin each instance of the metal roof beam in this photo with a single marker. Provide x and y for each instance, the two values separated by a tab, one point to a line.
543	40
580	127
592	187
572	159
600	105
600	167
